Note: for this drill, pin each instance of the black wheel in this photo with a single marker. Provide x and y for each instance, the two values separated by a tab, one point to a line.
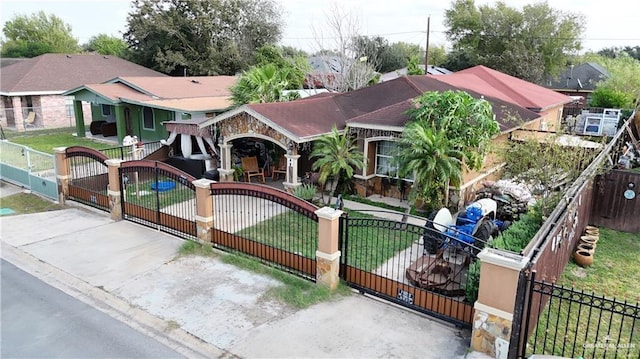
432	237
483	235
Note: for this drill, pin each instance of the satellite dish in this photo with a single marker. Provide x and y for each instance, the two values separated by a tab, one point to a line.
443	220
579	83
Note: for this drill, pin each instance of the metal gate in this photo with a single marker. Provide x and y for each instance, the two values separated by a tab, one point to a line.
399	261
159	196
26	167
89	177
264	222
566	322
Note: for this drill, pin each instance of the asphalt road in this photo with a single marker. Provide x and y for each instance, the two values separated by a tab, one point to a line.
39	321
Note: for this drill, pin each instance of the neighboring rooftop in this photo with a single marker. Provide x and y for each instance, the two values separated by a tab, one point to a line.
56	73
583	77
433	70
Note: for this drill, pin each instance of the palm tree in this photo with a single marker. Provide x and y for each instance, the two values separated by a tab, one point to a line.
337	154
431	158
261	84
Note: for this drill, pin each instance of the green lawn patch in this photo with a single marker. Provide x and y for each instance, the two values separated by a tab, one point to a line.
613	274
46	141
23	203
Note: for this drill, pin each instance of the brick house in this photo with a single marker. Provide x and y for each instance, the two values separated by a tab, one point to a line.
31	90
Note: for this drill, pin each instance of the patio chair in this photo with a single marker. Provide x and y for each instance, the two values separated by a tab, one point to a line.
281	168
251	168
30	121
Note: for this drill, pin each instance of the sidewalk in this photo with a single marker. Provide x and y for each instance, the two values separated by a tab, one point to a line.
202	307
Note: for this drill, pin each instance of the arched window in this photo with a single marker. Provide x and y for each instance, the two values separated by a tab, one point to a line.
148	123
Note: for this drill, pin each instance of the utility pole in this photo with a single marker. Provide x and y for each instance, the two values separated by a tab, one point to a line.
426	51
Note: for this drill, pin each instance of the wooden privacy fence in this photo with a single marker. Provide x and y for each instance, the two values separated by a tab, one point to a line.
618	205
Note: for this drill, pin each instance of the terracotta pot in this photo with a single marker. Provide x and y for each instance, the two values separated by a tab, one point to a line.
583	258
586	247
589	240
592	231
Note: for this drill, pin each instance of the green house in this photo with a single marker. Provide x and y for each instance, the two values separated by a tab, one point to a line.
139	106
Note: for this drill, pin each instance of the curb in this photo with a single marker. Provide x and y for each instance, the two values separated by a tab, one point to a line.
177	339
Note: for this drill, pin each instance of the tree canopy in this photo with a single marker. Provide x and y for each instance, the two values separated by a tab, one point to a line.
200	37
37	34
622	88
106	45
529	44
262	84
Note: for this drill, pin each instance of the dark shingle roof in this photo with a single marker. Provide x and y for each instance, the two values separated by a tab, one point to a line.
583	77
59	72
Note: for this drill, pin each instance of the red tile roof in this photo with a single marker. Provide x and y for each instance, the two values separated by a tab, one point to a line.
55	73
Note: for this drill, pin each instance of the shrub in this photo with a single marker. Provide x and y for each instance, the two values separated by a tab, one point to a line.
305	191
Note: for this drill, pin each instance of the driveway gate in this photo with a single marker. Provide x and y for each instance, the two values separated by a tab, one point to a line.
159	196
389	259
27	167
89	177
264	222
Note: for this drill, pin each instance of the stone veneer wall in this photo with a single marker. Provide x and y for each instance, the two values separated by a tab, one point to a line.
486	328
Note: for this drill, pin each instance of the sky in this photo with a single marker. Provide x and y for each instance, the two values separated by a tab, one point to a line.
608	23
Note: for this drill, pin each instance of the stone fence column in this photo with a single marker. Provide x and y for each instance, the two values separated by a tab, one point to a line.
63	173
328	253
493	311
204	209
225	170
292	172
113	191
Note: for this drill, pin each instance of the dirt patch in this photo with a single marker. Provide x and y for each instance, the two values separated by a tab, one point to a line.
579	272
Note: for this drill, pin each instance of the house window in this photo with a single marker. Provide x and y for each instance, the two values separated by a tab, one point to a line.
148	122
106	110
69	106
384	159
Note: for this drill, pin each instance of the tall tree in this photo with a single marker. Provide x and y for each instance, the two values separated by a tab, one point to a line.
518	43
623	85
449	124
296	66
36	34
201	37
106	45
337	156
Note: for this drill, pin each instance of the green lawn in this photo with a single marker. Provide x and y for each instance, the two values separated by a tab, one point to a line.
46	140
613	274
23	203
369	246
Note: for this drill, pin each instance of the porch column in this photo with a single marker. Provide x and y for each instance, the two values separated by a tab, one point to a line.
204	209
18	117
115	205
292	172
121	126
226	172
79	114
493	311
63	173
328	253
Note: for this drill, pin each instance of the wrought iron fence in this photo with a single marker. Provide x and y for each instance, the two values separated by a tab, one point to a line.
88	177
277	228
160	196
414	265
580	324
126	153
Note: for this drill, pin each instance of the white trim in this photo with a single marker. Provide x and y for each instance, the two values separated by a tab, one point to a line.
328	213
503	259
257	135
367	177
329	257
204	219
493	311
368	140
114	162
63	177
368	126
31	93
113	193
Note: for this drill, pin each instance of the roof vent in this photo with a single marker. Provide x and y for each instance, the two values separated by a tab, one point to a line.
68	56
106	57
195	81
